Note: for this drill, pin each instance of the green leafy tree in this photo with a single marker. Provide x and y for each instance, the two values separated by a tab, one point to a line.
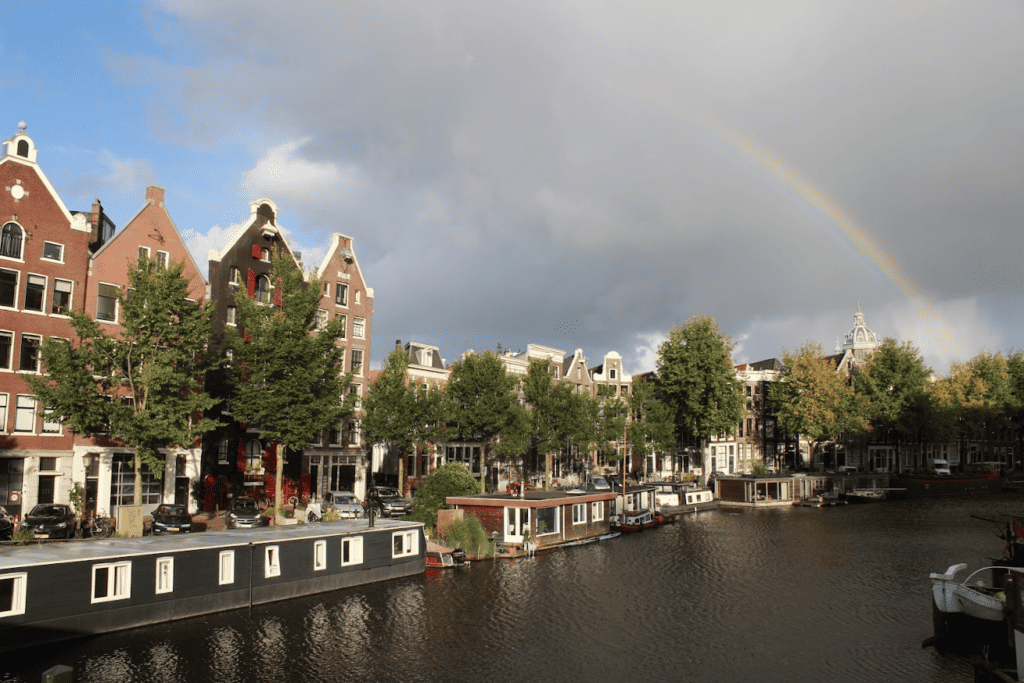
480	404
698	381
977	398
450	479
285	379
652	428
814	400
139	382
894	382
399	414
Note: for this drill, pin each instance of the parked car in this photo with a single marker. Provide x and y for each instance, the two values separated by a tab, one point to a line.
847	469
388	502
244	513
50	520
596	482
6	524
172	519
344	503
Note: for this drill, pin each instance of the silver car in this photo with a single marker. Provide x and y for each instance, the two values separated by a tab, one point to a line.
344	503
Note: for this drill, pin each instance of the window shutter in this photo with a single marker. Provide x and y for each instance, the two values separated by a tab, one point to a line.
278	298
250	283
257	251
241	455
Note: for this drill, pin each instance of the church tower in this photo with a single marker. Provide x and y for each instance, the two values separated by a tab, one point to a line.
860	340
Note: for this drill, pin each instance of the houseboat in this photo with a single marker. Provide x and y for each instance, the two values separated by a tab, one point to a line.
758	490
65	590
917	485
675	498
542	519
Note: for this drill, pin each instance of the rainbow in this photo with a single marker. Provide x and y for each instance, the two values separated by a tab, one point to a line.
844	223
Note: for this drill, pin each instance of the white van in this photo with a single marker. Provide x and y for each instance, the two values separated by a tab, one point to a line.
941	466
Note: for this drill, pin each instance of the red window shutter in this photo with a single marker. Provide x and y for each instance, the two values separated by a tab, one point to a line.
257	251
250	283
241	455
278	300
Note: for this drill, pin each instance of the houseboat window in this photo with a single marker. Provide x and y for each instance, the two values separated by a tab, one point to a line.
404	544
597	511
111	581
319	555
548	521
273	562
579	513
12	594
165	575
351	551
227	567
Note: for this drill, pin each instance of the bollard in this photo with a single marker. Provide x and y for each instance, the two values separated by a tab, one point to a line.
58	674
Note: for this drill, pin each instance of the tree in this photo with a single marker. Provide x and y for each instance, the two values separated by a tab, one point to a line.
651	430
480	404
812	399
141	382
978	396
698	381
285	379
450	479
399	414
894	381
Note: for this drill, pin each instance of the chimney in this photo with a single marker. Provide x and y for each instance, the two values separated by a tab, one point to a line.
97	211
155	195
398	345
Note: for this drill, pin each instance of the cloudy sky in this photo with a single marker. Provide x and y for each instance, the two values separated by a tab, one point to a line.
581	175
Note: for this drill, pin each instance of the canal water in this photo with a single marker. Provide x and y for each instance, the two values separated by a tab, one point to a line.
833	594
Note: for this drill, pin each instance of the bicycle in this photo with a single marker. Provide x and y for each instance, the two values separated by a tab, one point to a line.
99	527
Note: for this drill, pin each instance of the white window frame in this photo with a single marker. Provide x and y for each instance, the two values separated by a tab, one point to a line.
143	251
50	427
597	510
163	259
326	288
321	319
10	351
234	276
17	288
353	433
19	591
344	326
39	345
319	556
19	406
164	575
579	513
271	561
362	363
266	294
24	235
59	259
222	452
42	298
119	581
70	293
226	567
4	405
355	551
231	316
117	302
359	328
359	296
264	255
341	294
404	544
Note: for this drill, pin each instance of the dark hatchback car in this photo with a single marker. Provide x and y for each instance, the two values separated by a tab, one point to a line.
51	521
6	524
244	513
172	519
388	502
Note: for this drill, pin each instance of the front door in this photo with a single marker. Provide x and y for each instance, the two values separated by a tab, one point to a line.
181	490
46	488
517	523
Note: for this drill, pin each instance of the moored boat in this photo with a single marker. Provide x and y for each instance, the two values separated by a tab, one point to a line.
637	520
442	557
867	495
930	484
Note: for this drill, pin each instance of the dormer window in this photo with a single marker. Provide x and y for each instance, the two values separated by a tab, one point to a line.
10	240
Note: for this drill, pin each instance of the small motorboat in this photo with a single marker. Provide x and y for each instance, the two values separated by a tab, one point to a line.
443	557
636	520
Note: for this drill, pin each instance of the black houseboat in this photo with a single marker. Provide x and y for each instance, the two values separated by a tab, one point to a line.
64	590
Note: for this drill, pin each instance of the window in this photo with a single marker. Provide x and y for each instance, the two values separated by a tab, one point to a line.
222	452
6	344
359	328
8	287
359	296
404	544
232	312
597	511
106	303
13	588
111	581
319	556
351	551
341	295
161	259
254	455
53	251
226	567
321	319
272	563
263	289
10	240
143	253
264	254
353	433
29	361
122	482
327	288
234	276
344	325
357	361
554	371
335	436
165	575
579	513
3	413
34	291
612	375
548	521
61	303
51	425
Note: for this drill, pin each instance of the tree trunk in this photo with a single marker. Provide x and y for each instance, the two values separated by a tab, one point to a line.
278	486
137	500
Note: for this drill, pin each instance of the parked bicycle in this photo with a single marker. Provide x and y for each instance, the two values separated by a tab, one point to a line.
98	527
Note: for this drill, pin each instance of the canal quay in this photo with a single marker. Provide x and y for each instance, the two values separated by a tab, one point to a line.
783	594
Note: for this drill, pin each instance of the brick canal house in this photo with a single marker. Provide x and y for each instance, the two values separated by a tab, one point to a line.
234	456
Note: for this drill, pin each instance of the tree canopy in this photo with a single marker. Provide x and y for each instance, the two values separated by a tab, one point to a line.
139	382
651	429
450	479
894	381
